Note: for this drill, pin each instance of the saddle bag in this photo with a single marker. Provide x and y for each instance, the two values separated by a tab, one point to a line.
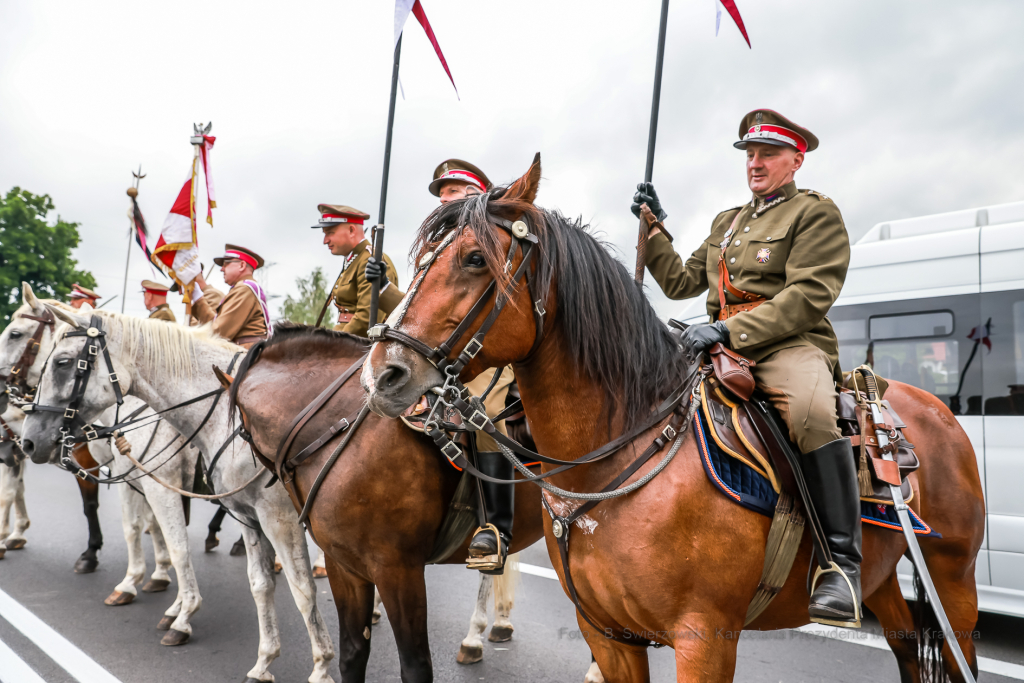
733	371
875	474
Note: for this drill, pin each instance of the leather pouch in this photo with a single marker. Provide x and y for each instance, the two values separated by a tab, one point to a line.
733	371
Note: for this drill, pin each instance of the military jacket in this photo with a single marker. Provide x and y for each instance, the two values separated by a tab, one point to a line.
792	249
163	312
352	293
238	315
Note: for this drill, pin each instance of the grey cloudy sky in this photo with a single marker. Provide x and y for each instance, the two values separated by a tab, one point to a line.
918	107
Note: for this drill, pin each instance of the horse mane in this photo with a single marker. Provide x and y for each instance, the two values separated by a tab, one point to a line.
607	322
285	334
157	343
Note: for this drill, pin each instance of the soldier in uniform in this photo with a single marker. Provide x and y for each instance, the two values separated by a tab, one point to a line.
154	295
344	236
80	295
242	316
774	267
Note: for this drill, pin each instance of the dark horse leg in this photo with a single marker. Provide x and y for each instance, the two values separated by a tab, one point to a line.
353	598
403	590
88	561
211	538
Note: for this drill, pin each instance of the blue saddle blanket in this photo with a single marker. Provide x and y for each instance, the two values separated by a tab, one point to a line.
741	484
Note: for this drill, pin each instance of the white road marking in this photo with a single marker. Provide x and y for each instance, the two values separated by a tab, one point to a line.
846	635
58	648
14	667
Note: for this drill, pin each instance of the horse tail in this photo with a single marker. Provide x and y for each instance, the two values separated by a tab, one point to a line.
505	585
930	638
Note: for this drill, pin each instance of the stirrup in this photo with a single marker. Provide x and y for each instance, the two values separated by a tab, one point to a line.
836	569
489	564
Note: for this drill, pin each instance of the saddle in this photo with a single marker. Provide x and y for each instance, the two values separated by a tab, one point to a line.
738	435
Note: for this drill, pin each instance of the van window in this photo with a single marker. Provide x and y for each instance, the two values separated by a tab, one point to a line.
930	324
1003	332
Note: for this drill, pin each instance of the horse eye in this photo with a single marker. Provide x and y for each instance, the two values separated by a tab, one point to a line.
63	361
15	335
475	260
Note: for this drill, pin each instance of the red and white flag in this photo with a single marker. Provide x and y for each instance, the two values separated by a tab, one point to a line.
177	250
402	10
734	12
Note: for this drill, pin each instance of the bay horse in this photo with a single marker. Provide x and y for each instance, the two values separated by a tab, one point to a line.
381	505
675	561
166	366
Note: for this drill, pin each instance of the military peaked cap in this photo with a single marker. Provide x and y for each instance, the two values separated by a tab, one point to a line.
233	252
154	287
772	128
332	214
80	292
457	169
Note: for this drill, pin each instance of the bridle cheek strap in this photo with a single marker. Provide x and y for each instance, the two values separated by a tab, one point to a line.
19	373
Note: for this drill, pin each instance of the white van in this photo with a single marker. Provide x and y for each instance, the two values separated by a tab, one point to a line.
938	302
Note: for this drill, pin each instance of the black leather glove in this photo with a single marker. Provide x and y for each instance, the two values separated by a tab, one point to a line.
646	195
702	336
376	269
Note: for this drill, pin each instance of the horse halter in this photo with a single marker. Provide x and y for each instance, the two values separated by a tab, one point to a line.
93	347
439	356
18	379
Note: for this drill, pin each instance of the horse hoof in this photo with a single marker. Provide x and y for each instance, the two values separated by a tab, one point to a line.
160	585
470	655
117	598
500	634
211	543
376	618
3	551
238	548
173	638
86	565
165	623
254	680
318	572
16	544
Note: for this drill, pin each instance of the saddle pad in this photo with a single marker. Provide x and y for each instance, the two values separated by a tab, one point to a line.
739	482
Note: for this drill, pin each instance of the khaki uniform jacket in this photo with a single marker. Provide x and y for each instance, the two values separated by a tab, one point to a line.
794	251
163	312
352	293
238	315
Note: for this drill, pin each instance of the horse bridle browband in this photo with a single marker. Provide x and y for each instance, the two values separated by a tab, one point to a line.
18	378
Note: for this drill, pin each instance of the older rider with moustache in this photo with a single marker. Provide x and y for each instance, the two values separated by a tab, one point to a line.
779	262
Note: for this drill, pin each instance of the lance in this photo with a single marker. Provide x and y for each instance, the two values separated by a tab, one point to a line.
378	230
131	230
652	135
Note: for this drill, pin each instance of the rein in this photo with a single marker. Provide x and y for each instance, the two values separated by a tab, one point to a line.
7	435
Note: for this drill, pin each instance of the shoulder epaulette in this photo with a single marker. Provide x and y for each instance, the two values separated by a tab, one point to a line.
819	195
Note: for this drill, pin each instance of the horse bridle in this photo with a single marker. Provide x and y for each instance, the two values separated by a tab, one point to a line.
18	377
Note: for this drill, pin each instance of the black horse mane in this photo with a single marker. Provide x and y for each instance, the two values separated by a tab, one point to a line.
607	322
287	331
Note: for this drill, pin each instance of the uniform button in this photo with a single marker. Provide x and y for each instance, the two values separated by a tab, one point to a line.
732	260
769	239
736	243
743	337
732	277
746	229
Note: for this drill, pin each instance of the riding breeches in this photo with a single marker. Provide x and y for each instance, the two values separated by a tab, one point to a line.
494	403
800	384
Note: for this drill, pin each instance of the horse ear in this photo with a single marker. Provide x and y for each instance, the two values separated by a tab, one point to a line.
68	317
29	297
525	189
222	377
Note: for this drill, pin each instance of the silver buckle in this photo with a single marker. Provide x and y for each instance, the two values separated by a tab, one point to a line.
472	351
668	432
93	349
451	451
83	364
376	332
113	378
89	432
69	413
539	307
476	417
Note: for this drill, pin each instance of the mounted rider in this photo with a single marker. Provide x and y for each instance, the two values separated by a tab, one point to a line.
154	296
457	179
779	262
80	296
242	315
344	236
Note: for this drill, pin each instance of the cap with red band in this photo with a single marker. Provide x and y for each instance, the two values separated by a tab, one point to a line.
155	288
772	128
460	171
80	292
332	214
233	252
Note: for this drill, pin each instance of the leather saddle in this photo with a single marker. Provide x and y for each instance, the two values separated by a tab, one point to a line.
737	434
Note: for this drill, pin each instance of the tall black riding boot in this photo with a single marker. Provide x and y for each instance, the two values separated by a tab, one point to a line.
484	551
831	475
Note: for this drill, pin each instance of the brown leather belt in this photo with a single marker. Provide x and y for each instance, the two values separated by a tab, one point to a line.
750	300
729	310
345	316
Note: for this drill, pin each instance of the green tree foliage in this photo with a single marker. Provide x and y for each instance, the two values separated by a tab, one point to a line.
306	307
36	252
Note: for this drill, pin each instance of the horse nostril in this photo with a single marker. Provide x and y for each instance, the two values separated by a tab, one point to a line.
28	446
393	377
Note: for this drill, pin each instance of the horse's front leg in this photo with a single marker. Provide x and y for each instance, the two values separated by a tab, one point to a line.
260	565
404	591
132	523
355	600
13	513
504	600
89	560
279	523
160	579
472	649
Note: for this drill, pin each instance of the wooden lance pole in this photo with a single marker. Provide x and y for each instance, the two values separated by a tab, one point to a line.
131	234
652	135
378	230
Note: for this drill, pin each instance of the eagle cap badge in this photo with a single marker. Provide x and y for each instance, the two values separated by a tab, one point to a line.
763	255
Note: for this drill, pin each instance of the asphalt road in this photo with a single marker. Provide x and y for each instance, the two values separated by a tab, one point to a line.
125	642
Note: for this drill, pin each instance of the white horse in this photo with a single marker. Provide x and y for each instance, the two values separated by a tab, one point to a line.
166	365
145	505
